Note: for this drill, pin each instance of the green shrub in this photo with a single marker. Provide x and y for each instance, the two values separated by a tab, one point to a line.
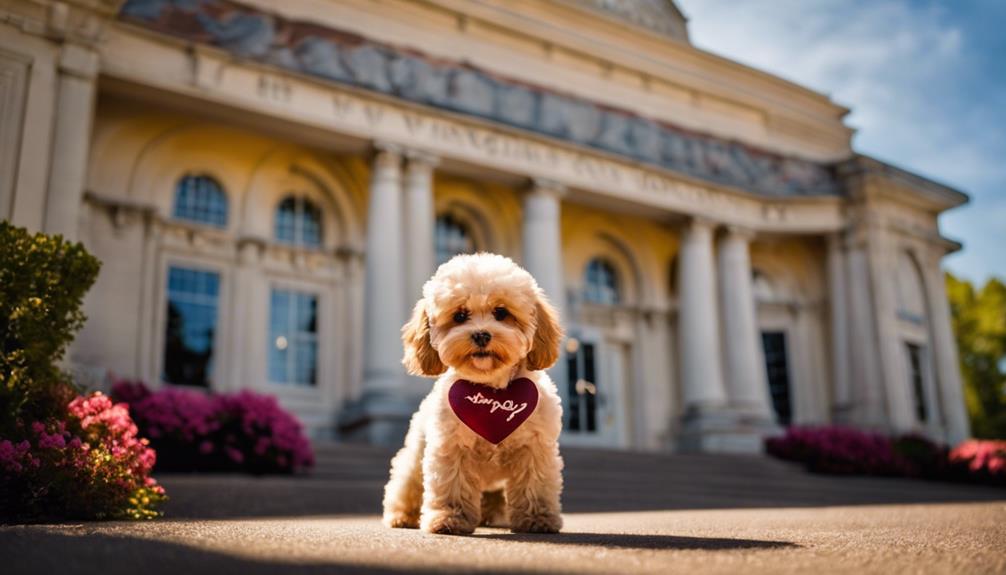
42	285
62	455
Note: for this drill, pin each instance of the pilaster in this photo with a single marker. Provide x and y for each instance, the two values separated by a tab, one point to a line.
838	309
78	70
948	371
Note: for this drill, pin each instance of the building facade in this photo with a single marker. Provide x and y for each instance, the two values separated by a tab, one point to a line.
269	185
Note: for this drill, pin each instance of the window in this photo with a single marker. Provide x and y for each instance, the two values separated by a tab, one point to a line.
601	283
777	371
452	238
201	199
293	337
582	388
193	298
918	384
298	222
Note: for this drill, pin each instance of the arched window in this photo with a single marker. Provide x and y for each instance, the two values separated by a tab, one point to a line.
601	283
200	199
452	238
298	222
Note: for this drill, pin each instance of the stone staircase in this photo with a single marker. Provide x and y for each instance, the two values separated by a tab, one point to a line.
349	478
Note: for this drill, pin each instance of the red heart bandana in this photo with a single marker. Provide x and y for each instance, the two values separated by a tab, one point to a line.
493	413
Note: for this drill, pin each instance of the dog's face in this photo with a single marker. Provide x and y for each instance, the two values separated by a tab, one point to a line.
481	314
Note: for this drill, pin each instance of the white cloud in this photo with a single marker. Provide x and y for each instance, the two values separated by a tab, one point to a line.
895	63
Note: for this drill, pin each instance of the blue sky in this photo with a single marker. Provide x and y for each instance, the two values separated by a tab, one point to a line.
926	81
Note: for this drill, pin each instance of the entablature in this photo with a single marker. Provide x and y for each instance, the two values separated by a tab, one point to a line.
343	57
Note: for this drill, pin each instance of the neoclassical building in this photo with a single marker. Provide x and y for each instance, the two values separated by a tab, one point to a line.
269	184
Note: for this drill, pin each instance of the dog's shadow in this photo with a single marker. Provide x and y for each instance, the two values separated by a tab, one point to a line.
639	541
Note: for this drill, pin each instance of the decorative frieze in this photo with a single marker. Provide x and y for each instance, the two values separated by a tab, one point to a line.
345	57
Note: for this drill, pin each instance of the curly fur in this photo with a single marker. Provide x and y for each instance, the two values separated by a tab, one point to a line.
448	479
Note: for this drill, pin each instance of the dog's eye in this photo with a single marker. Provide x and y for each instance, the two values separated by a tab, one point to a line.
461	316
500	313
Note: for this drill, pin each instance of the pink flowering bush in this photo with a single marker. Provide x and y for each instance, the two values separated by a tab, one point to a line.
985	460
259	433
846	451
195	431
838	450
89	464
62	456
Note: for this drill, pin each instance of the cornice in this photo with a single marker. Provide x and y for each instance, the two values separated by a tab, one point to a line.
900	184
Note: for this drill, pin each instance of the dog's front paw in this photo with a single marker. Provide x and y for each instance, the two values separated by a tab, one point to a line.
401	520
448	523
538	523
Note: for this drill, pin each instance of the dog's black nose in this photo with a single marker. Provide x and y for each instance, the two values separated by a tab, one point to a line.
481	338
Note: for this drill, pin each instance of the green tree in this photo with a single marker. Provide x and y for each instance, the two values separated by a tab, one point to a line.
979	320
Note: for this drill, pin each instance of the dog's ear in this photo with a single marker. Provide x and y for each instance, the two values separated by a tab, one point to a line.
420	357
547	336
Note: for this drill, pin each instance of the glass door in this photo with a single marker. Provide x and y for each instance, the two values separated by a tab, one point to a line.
777	370
594	398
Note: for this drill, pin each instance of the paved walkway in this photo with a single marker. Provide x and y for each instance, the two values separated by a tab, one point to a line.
624	513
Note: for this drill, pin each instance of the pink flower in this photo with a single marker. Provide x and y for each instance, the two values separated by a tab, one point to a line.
235	455
9	455
983	457
54	441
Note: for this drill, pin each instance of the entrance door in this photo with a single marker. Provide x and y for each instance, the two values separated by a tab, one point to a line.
777	370
595	376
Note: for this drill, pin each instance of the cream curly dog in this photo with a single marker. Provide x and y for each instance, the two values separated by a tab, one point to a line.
482	319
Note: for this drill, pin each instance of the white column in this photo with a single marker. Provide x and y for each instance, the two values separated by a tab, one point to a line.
839	316
810	403
419	222
78	68
746	379
882	264
698	322
250	320
542	239
384	305
868	395
948	371
355	270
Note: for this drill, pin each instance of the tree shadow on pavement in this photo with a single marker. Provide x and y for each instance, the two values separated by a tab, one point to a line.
32	552
639	541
